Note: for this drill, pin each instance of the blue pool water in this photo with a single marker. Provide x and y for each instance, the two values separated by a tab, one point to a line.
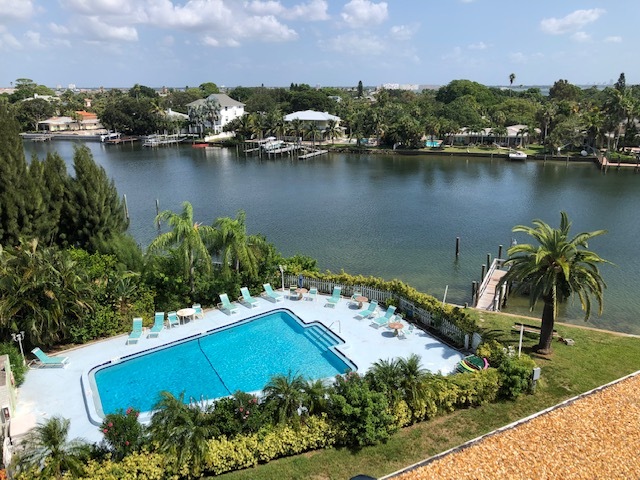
432	143
240	357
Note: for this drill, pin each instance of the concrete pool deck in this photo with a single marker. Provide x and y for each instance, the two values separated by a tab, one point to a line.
47	392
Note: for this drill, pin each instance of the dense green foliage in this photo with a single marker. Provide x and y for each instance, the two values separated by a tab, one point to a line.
123	434
18	367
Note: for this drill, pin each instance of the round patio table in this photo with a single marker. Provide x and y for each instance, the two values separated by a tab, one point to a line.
361	299
186	313
396	326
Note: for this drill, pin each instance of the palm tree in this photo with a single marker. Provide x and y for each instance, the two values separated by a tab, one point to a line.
181	431
386	376
512	77
554	270
312	131
332	131
413	378
286	393
190	239
46	449
296	127
314	396
211	111
234	246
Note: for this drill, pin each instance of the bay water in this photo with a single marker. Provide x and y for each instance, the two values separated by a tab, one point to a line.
391	216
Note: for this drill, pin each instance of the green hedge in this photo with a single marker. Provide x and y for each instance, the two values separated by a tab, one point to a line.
458	316
269	443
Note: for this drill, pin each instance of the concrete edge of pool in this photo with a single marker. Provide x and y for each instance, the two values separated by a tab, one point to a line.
90	391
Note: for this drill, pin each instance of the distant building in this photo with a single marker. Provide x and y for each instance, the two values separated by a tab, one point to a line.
321	119
82	121
230	109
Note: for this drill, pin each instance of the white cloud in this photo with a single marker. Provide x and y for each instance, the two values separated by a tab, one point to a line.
33	39
478	46
100	30
581	37
58	29
356	44
404	32
16	9
518	57
267	28
94	7
314	10
168	41
8	41
572	22
364	13
613	39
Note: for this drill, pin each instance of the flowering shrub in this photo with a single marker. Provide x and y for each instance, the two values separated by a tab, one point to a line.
122	432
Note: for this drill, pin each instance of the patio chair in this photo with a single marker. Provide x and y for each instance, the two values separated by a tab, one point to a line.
136	331
369	311
268	292
198	308
225	304
402	334
313	294
45	360
384	320
333	300
247	299
172	318
356	294
158	325
293	292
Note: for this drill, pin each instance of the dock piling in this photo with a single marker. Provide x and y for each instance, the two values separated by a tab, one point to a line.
457	246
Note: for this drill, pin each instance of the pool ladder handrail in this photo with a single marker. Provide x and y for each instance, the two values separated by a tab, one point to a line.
339	326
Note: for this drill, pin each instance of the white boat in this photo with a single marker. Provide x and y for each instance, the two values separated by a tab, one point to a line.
109	136
517	155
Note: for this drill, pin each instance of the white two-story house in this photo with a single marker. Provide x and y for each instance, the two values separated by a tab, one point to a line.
229	109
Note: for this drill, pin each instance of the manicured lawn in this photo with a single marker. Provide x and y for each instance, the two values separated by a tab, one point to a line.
595	359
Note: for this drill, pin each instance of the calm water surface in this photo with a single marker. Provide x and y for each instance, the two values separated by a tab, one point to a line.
390	216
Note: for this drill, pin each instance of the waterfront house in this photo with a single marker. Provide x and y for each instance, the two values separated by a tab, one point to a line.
321	119
230	109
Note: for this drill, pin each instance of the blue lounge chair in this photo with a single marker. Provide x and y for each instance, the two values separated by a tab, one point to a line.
198	308
368	312
384	321
333	300
225	304
247	298
136	331
45	360
268	291
158	325
172	318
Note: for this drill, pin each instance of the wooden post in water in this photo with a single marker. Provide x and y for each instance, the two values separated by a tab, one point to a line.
126	207
488	260
484	270
158	212
499	251
457	246
474	289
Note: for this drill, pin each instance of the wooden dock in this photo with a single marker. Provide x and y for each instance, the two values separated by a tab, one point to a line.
117	141
489	297
41	138
312	153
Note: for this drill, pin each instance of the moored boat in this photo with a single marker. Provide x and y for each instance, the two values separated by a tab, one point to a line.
517	155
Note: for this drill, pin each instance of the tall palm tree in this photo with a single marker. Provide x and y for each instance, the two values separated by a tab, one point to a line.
234	246
188	237
286	393
413	378
314	396
555	269
386	376
332	131
46	449
296	127
181	431
512	77
312	131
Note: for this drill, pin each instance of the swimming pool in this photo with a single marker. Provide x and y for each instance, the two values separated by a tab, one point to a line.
432	143
243	356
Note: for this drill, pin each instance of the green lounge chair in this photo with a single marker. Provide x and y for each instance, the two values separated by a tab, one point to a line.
172	318
158	325
136	331
293	292
45	360
198	308
368	312
225	304
247	298
313	294
402	334
333	300
384	321
268	291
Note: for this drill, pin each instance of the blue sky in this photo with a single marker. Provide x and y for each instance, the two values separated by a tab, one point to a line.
118	43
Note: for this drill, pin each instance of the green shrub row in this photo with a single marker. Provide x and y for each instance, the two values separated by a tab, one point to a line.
458	316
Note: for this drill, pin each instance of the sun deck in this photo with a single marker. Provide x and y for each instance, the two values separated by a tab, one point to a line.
50	392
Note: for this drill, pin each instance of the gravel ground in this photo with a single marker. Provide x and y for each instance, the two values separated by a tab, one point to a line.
594	437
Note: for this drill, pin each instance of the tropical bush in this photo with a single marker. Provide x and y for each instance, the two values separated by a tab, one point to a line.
515	376
18	367
122	432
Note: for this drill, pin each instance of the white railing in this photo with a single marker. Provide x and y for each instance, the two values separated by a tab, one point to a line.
443	326
495	265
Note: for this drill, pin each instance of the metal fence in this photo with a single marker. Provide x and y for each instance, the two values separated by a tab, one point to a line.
442	326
